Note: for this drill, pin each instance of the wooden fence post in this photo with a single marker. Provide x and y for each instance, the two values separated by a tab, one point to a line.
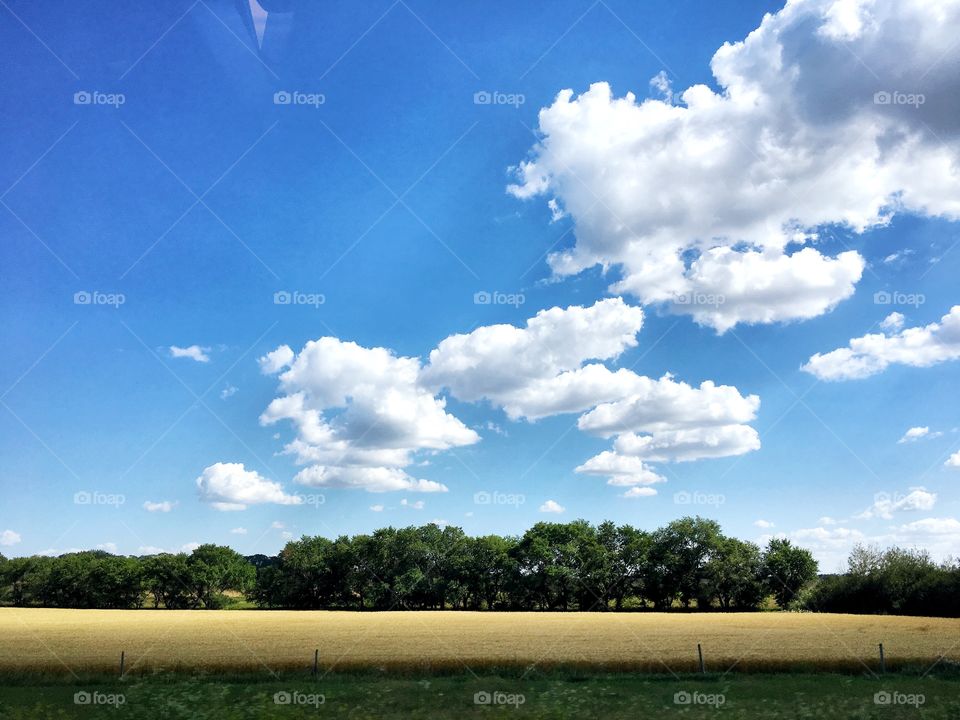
122	659
883	662
316	662
703	669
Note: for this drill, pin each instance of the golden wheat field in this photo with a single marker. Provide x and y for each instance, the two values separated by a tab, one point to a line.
92	640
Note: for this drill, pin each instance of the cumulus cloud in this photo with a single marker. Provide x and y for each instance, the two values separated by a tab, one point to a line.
376	508
918	433
714	202
229	486
886	504
9	537
194	352
360	415
238	531
163	506
666	405
953	461
636	492
871	354
371	479
893	321
621	470
689	444
538	370
415	505
551	506
764	524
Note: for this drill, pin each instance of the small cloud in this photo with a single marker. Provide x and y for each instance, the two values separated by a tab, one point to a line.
418	505
764	524
239	531
377	508
439	523
468	514
827	520
636	492
918	433
228	391
893	321
277	525
551	506
885	504
194	352
164	506
9	537
493	427
286	535
953	461
110	547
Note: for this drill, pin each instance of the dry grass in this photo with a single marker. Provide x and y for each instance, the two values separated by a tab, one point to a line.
91	640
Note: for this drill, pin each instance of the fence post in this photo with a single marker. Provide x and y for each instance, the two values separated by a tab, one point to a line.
883	662
316	662
703	669
122	658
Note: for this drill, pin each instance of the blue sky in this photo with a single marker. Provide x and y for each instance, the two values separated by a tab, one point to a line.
183	189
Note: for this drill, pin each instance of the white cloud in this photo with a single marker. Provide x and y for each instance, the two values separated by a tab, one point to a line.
953	461
868	355
764	524
276	360
622	470
914	434
9	537
228	392
551	506
827	520
885	505
371	479
286	535
636	492
110	547
277	525
377	508
690	444
893	321
537	370
194	352
932	526
417	505
918	433
666	405
239	531
229	486
710	198
163	506
360	414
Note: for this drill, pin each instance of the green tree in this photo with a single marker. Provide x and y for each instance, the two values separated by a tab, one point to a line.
786	570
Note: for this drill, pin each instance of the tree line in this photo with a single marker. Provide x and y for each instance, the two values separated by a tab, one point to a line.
552	566
689	563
